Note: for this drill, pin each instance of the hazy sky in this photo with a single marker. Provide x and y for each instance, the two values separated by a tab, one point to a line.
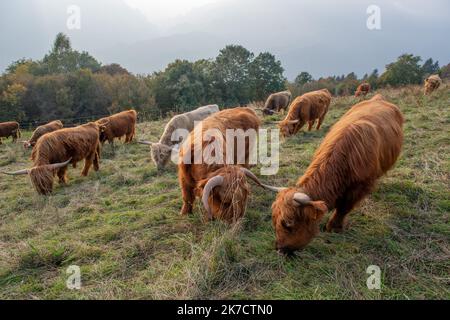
323	37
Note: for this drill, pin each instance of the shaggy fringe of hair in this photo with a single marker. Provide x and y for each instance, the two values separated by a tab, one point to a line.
42	179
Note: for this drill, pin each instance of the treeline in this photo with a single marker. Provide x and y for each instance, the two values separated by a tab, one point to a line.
75	87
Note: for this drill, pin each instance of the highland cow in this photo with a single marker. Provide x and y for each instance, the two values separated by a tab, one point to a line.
222	187
55	150
9	129
432	83
277	102
362	90
40	131
307	108
362	146
118	125
161	151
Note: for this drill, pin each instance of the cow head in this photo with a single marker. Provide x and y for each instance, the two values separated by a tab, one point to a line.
225	193
160	153
102	129
41	176
28	144
287	127
296	219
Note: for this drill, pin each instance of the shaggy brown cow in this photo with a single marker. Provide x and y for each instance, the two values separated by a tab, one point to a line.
222	187
277	102
9	129
363	89
41	130
119	125
432	83
359	149
306	109
55	150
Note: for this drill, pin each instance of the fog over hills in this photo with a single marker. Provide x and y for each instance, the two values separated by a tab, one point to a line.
322	37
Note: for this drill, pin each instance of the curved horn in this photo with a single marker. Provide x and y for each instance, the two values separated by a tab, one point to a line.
59	165
251	175
146	143
210	185
16	173
293	121
301	198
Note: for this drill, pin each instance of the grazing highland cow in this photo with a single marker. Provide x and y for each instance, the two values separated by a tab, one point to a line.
55	150
40	131
222	187
9	129
359	149
363	89
432	83
306	109
161	151
276	102
118	125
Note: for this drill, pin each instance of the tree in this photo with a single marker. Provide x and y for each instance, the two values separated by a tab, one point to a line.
303	78
231	74
113	69
373	79
406	70
11	106
429	67
445	72
265	76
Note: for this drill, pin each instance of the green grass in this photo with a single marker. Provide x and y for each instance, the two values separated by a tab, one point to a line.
121	226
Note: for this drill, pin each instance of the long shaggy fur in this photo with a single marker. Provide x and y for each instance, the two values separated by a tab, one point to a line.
277	101
10	129
79	143
119	125
432	83
228	202
363	89
41	130
358	150
162	150
307	108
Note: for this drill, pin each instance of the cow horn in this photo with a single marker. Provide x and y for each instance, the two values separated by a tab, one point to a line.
252	176
54	166
146	143
301	198
210	185
293	121
16	173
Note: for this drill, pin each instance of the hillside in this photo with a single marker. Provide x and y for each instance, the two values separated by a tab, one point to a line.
121	226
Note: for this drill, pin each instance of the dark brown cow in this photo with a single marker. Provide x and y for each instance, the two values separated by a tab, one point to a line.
119	125
55	150
359	149
9	129
222	187
307	108
41	130
363	89
277	102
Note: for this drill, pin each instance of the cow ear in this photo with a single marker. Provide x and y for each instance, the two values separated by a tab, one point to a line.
320	208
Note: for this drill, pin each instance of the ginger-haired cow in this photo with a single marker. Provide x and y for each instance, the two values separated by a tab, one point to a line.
118	125
9	129
40	131
432	83
304	109
55	150
363	89
161	151
276	102
362	146
221	185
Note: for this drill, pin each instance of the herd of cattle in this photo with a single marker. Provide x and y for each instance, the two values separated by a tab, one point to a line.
359	148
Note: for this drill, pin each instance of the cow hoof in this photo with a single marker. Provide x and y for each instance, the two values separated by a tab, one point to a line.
336	228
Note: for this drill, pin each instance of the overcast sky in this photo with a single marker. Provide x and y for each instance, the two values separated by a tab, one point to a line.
323	37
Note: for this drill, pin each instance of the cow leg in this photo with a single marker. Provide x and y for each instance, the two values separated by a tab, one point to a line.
87	164
337	222
96	160
310	125
62	175
188	195
319	123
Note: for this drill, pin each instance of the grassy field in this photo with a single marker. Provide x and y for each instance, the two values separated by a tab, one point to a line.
122	227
